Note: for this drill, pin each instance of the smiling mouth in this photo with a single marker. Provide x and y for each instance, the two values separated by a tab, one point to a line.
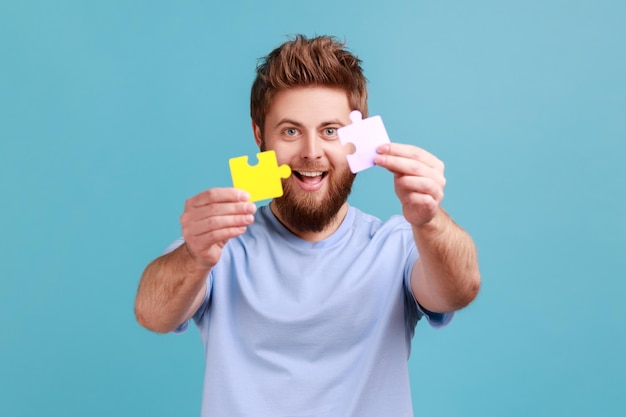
310	177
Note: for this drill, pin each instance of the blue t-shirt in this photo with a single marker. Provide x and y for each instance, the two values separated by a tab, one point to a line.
294	328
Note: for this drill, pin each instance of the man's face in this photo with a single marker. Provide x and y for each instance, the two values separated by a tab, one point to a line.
301	127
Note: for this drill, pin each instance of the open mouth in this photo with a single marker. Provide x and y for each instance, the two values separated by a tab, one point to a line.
310	177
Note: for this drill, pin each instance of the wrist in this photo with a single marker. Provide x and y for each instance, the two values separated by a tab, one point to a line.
190	262
432	225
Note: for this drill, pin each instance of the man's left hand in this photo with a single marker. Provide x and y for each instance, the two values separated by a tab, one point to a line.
418	178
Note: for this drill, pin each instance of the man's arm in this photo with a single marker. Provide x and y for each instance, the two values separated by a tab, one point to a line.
446	276
172	287
171	290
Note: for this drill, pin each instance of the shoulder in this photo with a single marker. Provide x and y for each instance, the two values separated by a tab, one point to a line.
395	224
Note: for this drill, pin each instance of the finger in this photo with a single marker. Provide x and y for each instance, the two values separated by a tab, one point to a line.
411	167
217	209
411	152
213	223
215	237
217	195
407	186
202	246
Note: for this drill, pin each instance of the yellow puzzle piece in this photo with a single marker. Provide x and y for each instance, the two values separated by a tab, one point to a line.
261	181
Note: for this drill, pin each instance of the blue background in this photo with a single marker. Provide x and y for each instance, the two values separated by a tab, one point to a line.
113	113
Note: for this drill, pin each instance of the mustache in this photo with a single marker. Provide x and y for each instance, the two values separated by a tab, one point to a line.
310	166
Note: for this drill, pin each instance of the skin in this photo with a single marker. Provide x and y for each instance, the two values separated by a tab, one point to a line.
446	276
301	127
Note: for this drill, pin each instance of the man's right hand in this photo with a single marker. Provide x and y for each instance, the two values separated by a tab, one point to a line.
210	219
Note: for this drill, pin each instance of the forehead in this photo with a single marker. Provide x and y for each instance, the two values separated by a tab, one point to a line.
309	105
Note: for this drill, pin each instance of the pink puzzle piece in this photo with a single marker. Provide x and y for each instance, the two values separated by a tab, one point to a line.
366	135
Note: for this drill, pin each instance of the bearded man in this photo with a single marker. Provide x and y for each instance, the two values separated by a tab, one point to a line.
307	306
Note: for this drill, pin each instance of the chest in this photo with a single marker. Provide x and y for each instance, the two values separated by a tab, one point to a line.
309	302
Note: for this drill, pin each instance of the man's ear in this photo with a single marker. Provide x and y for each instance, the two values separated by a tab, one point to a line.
257	134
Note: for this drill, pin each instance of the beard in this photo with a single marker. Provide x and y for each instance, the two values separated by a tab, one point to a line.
308	212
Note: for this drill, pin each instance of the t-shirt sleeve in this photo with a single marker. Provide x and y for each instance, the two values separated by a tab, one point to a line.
197	317
174	245
436	320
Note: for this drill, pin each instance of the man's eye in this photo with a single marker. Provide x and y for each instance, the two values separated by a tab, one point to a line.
291	132
330	131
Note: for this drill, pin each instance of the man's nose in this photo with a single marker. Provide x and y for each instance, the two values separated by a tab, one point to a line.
311	148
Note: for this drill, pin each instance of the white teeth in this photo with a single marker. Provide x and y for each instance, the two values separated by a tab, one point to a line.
310	173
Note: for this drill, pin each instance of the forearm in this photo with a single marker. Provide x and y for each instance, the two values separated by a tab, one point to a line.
170	291
446	276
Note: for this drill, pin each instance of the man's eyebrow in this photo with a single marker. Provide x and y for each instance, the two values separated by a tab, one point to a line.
332	122
296	123
288	122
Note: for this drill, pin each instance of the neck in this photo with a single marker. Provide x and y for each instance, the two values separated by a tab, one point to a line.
311	236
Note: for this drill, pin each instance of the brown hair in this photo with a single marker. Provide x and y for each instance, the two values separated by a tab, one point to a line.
303	62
